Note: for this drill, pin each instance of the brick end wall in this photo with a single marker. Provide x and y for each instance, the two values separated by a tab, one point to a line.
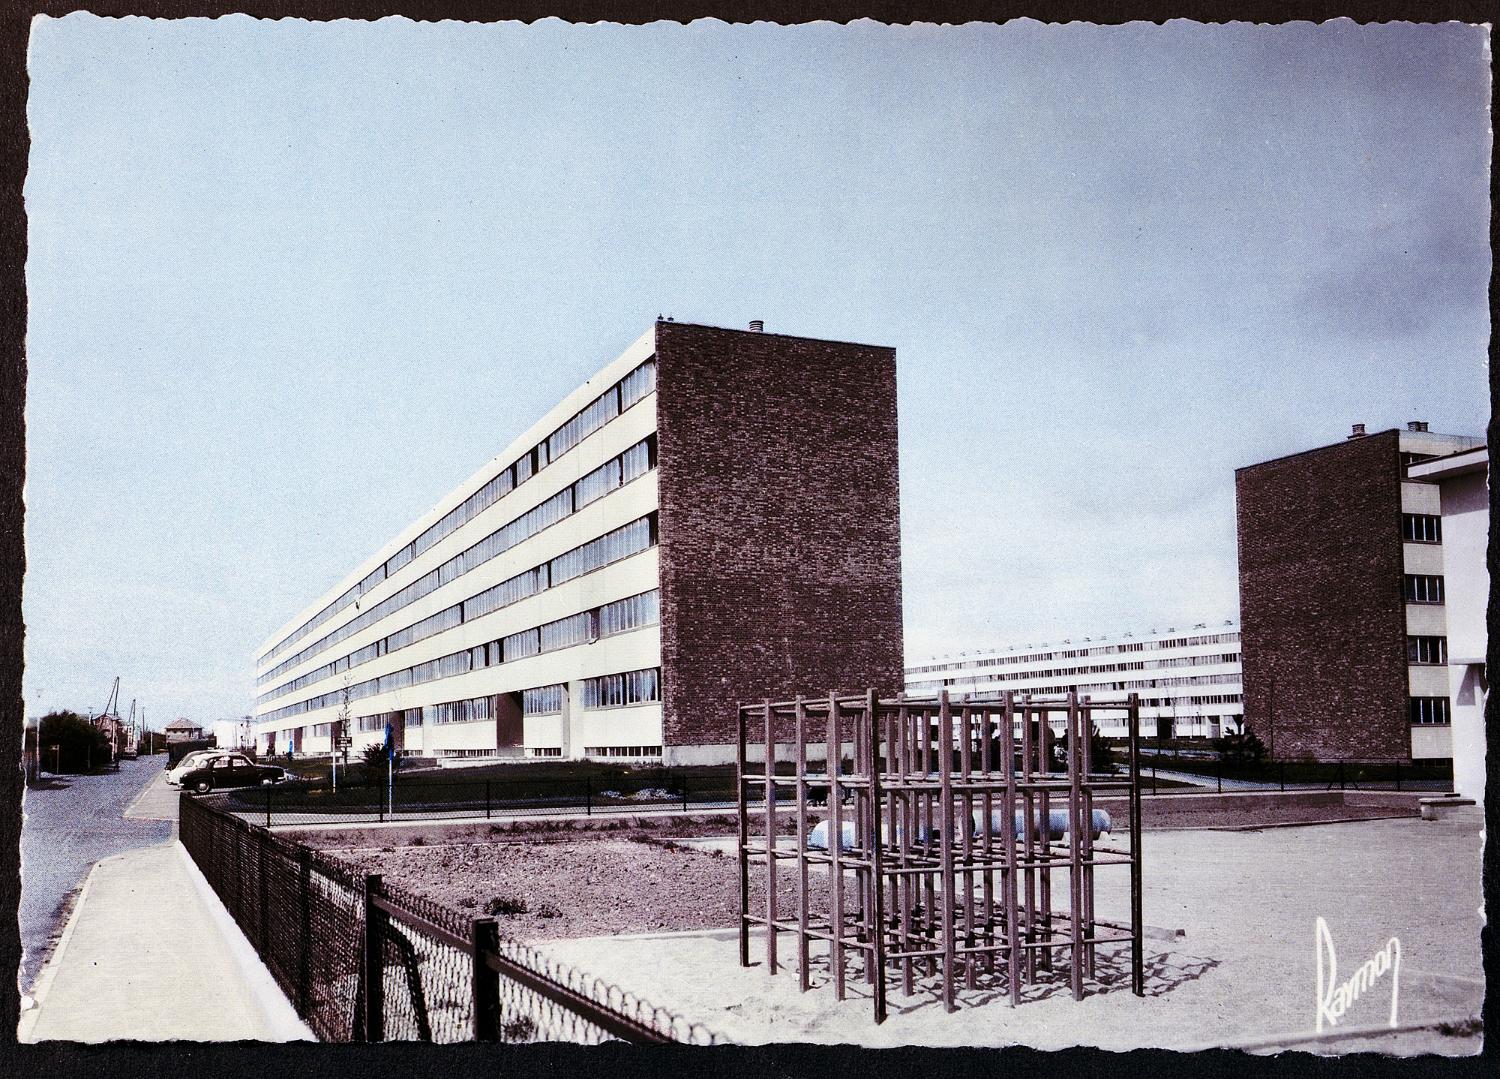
780	523
1322	611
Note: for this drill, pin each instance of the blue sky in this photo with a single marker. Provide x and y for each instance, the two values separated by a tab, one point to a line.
290	283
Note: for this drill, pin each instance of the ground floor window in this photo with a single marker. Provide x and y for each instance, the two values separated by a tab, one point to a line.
622	751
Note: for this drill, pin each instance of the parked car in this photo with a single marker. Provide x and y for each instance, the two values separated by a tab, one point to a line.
231	770
196	759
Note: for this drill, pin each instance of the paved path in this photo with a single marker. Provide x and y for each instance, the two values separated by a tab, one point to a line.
149	952
151	955
70	823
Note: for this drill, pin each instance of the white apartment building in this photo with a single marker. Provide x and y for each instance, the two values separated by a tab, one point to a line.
1188	681
1462	479
489	627
607	587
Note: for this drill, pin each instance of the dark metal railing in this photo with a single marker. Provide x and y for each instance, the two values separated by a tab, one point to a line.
363	960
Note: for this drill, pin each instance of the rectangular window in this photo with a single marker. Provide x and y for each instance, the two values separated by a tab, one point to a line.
543	700
1421	528
638	384
1428	711
629	613
520	645
577	629
1424	588
1428	651
619	690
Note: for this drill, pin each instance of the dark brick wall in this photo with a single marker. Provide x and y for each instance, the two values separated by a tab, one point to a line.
780	522
1321	603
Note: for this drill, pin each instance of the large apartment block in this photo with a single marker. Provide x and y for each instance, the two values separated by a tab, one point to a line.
1187	681
1342	599
713	517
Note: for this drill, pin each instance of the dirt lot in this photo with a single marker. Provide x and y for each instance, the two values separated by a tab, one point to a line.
546	890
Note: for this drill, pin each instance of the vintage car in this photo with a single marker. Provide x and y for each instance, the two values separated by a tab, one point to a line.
230	770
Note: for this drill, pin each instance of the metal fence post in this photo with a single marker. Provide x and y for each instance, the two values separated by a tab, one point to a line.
485	940
269	789
588	796
380	805
1219	774
1341	775
260	873
683	777
1281	775
486	799
304	929
1398	775
374	965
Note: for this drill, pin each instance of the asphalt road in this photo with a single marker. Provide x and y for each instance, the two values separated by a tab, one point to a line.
70	823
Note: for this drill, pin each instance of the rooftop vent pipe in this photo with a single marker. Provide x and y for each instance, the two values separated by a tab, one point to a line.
1358	431
757	326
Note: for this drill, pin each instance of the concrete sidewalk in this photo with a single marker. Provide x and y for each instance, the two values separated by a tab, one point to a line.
157	802
151	954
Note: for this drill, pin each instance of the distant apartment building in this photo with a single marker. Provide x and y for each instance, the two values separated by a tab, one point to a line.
712	517
1187	681
1343	599
1463	485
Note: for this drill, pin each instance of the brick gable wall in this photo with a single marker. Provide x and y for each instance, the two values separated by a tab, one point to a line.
780	523
1322	612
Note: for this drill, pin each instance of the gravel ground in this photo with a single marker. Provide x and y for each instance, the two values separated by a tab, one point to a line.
574	888
70	823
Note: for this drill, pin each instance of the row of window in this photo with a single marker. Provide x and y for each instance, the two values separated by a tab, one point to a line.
613	401
642	536
1421	528
620	751
623	542
1074	653
614	473
1424	588
1428	711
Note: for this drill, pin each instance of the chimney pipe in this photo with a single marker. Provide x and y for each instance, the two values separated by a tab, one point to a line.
757	326
1358	431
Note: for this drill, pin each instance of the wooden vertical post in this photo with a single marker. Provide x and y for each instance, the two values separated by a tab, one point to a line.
804	972
877	855
945	840
836	845
374	965
743	813
1008	879
1137	968
1075	875
485	941
770	839
966	823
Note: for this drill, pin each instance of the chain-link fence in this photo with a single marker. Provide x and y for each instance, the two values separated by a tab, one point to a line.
302	803
362	960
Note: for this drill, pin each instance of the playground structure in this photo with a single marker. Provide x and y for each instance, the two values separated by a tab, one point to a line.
941	839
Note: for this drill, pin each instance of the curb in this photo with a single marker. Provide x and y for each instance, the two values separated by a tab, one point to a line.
280	1017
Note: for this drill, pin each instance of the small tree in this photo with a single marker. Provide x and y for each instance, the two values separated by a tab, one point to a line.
79	744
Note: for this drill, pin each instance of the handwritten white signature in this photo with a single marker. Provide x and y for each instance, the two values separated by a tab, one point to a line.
1335	997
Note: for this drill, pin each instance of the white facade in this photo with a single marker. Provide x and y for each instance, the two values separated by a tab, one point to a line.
1431	592
1188	681
520	616
1462	481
